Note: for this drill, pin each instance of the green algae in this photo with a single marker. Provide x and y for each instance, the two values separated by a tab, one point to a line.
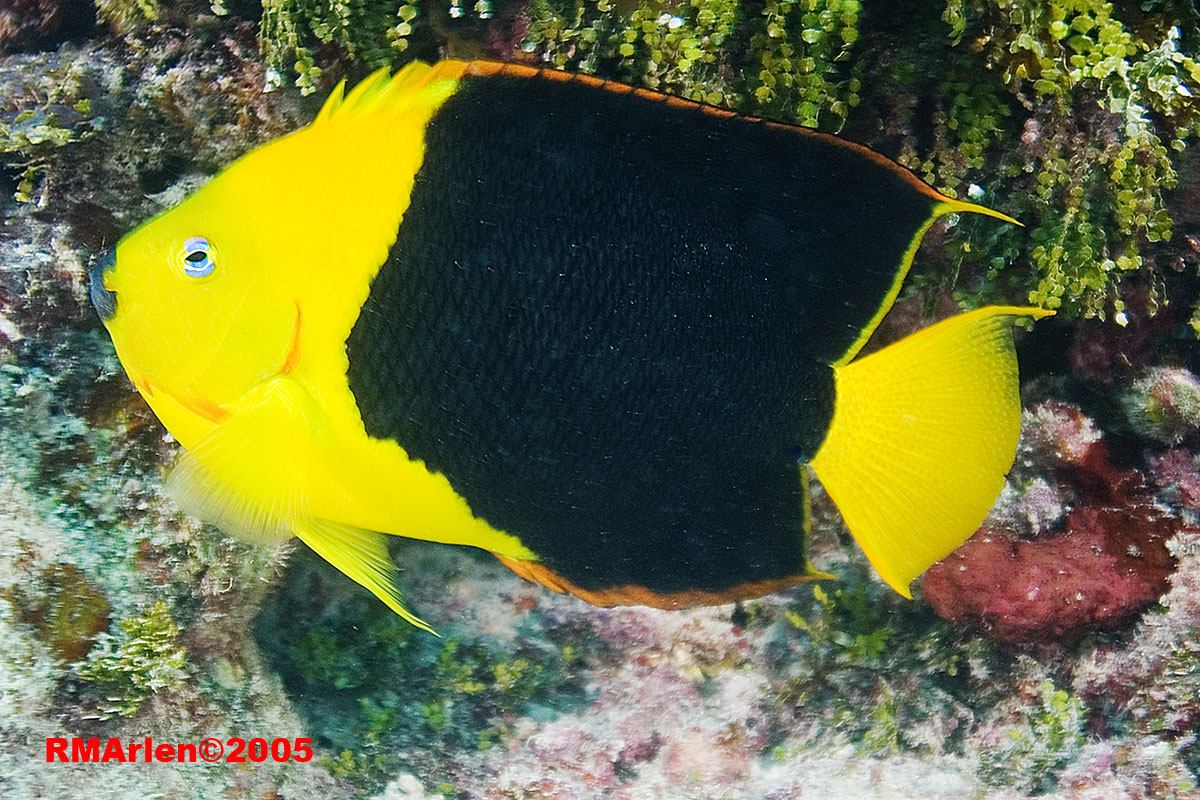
51	115
883	736
895	680
371	764
1104	108
370	33
388	697
879	672
147	658
125	15
783	58
1069	115
1030	755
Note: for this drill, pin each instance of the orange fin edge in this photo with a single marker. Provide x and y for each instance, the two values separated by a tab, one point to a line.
632	595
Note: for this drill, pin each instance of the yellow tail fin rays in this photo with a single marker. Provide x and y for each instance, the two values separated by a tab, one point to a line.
923	434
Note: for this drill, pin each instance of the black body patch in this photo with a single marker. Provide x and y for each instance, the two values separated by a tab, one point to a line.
607	321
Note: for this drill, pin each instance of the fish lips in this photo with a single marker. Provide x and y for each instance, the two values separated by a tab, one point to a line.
104	301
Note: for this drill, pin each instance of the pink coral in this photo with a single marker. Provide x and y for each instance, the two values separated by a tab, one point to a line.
707	757
1155	677
1043	589
672	711
1108	562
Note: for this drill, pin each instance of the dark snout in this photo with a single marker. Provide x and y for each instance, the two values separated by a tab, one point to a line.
104	300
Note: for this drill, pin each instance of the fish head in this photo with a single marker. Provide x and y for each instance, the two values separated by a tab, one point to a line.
263	270
197	302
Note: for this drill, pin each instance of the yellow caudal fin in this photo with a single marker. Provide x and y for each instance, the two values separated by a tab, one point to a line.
363	557
923	433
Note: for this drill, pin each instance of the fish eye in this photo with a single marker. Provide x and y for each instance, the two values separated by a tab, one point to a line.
198	257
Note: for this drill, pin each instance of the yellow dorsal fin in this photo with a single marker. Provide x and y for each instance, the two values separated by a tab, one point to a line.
922	435
944	205
332	103
363	557
416	84
367	90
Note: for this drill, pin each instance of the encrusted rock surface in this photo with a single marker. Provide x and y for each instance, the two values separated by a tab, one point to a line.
1104	562
120	617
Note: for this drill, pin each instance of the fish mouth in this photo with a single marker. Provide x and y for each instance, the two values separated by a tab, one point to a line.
103	300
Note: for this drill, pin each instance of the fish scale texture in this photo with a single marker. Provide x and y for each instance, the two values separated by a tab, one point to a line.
623	367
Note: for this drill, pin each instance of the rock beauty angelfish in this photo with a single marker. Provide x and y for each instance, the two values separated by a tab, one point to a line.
595	330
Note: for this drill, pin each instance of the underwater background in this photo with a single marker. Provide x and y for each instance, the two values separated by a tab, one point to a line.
1056	654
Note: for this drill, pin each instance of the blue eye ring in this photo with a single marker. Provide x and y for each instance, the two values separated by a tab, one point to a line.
197	257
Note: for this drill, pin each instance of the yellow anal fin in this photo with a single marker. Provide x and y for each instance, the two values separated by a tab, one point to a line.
362	555
922	435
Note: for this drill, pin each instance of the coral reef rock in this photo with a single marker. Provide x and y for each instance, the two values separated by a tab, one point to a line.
1108	561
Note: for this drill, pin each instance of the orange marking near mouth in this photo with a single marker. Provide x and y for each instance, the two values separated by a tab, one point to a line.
203	407
200	406
207	409
293	355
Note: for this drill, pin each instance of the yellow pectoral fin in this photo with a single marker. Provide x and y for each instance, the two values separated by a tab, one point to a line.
254	477
363	557
922	436
250	475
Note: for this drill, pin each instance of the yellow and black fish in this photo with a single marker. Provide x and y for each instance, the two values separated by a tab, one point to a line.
592	329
